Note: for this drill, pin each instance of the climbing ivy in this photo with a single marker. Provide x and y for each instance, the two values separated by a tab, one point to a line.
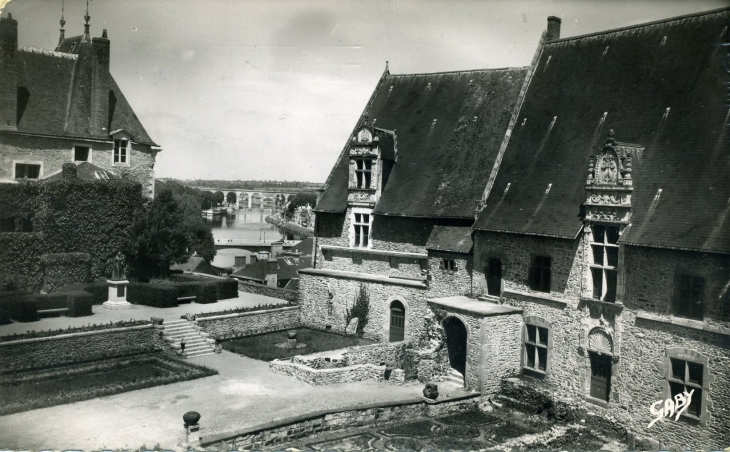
359	309
93	217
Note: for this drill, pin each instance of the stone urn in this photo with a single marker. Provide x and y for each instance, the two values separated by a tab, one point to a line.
431	391
191	418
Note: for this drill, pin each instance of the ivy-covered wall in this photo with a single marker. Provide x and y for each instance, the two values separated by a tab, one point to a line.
62	217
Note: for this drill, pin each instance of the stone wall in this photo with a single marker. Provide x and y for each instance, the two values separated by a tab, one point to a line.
515	252
269	291
319	311
347	374
78	347
287	430
446	283
500	351
54	152
642	331
230	326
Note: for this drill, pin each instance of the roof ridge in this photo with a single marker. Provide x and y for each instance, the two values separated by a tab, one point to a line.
511	68
27	49
645	24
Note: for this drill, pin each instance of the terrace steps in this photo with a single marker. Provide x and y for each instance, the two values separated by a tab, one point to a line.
197	343
454	376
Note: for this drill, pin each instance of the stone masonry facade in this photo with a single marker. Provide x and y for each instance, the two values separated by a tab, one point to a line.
643	333
52	153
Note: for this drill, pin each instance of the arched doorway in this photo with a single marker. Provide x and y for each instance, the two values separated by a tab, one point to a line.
397	322
456	343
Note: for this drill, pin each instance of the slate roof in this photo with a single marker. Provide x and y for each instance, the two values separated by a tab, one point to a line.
661	85
86	171
195	264
59	101
449	127
455	239
286	269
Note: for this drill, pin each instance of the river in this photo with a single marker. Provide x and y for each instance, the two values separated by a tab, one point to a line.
244	224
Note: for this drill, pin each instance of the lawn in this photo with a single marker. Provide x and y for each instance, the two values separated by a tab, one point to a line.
32	389
263	346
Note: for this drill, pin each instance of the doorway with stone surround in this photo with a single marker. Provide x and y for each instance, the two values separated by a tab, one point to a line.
456	335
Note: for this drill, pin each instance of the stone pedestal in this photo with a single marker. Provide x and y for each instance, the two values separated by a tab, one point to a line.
192	435
117	295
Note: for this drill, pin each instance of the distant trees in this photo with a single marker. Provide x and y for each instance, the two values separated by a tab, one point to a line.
302	199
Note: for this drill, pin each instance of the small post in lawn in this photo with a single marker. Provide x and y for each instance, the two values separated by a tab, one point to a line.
192	428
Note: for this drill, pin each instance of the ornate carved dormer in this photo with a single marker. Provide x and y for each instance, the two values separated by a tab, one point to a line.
369	148
609	184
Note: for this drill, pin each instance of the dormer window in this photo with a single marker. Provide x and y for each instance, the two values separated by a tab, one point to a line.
363	173
121	152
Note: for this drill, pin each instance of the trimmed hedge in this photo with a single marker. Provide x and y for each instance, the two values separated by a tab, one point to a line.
99	290
52	300
79	303
207	293
227	288
151	294
19	305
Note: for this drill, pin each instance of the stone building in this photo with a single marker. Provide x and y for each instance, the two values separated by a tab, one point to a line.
393	223
608	225
64	106
598	267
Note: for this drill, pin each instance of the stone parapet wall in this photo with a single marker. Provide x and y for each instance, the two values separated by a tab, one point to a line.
78	347
273	292
392	353
230	326
381	414
348	374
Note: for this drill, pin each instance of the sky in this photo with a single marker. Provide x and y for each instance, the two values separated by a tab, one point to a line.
271	89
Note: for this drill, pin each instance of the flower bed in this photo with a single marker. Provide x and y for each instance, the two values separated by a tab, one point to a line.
261	307
28	390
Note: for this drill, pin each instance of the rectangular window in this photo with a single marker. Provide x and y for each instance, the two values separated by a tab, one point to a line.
27	171
363	173
539	278
448	264
688	299
120	151
536	347
687	376
16	224
81	153
604	269
362	229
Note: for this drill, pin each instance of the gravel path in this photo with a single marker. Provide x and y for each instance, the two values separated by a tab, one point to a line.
244	394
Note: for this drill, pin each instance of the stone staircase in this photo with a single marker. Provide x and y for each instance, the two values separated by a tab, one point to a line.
197	343
455	377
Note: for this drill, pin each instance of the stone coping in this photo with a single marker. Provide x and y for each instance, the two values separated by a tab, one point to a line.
473	307
374	252
264	286
540	297
696	325
80	334
243	314
364	277
213	439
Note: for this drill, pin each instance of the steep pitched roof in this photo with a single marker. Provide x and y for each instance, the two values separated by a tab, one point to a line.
449	127
455	239
195	264
58	101
660	85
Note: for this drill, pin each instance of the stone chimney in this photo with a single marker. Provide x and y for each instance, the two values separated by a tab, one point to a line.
100	86
553	28
271	272
276	249
8	73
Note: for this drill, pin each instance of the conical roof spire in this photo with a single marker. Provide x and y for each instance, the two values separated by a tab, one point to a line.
87	35
63	23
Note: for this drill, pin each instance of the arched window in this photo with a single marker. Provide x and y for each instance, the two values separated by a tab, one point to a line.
397	321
